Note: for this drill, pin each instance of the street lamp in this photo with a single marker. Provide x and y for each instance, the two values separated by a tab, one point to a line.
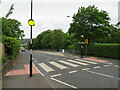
74	41
31	23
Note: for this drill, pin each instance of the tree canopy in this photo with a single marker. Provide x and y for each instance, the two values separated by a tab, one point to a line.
11	27
90	22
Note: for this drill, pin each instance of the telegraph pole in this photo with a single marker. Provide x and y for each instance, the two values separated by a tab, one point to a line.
31	23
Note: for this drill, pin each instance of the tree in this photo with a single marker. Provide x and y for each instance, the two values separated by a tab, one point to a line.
46	39
11	28
10	11
50	39
90	22
43	40
57	39
114	34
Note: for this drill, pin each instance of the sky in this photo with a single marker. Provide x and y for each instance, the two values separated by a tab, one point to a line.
52	14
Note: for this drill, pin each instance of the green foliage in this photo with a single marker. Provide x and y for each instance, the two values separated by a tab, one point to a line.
104	50
90	22
12	46
10	11
55	39
10	28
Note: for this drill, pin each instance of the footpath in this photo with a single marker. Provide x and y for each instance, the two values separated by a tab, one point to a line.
18	77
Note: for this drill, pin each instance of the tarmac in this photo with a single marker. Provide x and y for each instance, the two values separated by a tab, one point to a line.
21	78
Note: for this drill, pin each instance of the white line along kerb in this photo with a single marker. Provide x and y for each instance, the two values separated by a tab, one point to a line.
38	70
64	83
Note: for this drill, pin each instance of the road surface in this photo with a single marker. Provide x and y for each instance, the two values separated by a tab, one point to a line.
66	72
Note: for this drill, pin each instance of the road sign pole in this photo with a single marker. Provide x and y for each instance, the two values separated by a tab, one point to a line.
86	49
31	44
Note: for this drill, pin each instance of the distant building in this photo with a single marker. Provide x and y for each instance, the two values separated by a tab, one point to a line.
119	11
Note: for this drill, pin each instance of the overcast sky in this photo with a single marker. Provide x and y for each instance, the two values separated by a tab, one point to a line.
52	14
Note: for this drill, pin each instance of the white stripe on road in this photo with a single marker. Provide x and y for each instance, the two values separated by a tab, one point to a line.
38	69
85	69
118	78
106	65
64	83
55	75
58	65
78	62
116	66
46	67
73	71
97	67
86	61
70	64
110	63
101	74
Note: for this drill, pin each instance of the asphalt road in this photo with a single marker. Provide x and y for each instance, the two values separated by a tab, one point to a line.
66	72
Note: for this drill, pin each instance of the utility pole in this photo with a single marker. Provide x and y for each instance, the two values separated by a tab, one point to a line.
31	23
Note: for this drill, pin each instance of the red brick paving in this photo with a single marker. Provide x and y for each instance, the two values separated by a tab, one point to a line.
95	59
22	72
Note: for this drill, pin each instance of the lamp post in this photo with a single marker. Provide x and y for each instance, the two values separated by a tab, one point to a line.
74	41
31	23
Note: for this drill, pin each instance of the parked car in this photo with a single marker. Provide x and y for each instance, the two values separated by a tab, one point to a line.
22	49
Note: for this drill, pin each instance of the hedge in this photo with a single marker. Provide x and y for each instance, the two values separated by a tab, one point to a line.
105	50
12	46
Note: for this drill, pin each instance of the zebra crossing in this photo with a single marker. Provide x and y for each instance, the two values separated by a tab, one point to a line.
64	64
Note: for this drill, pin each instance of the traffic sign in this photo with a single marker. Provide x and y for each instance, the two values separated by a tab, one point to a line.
31	22
86	41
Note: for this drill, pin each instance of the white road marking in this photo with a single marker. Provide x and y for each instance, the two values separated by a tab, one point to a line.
110	63
46	67
58	65
55	75
101	74
73	71
78	62
106	65
97	67
64	83
85	69
70	64
35	60
118	78
86	61
116	66
38	69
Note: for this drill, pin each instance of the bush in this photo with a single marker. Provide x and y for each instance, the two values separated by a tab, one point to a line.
12	46
104	50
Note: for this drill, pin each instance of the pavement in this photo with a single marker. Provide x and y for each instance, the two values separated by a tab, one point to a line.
58	70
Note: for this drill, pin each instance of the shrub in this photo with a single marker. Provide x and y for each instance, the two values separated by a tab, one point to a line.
12	46
104	50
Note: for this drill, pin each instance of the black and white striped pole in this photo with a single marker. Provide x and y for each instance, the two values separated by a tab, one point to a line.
31	23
